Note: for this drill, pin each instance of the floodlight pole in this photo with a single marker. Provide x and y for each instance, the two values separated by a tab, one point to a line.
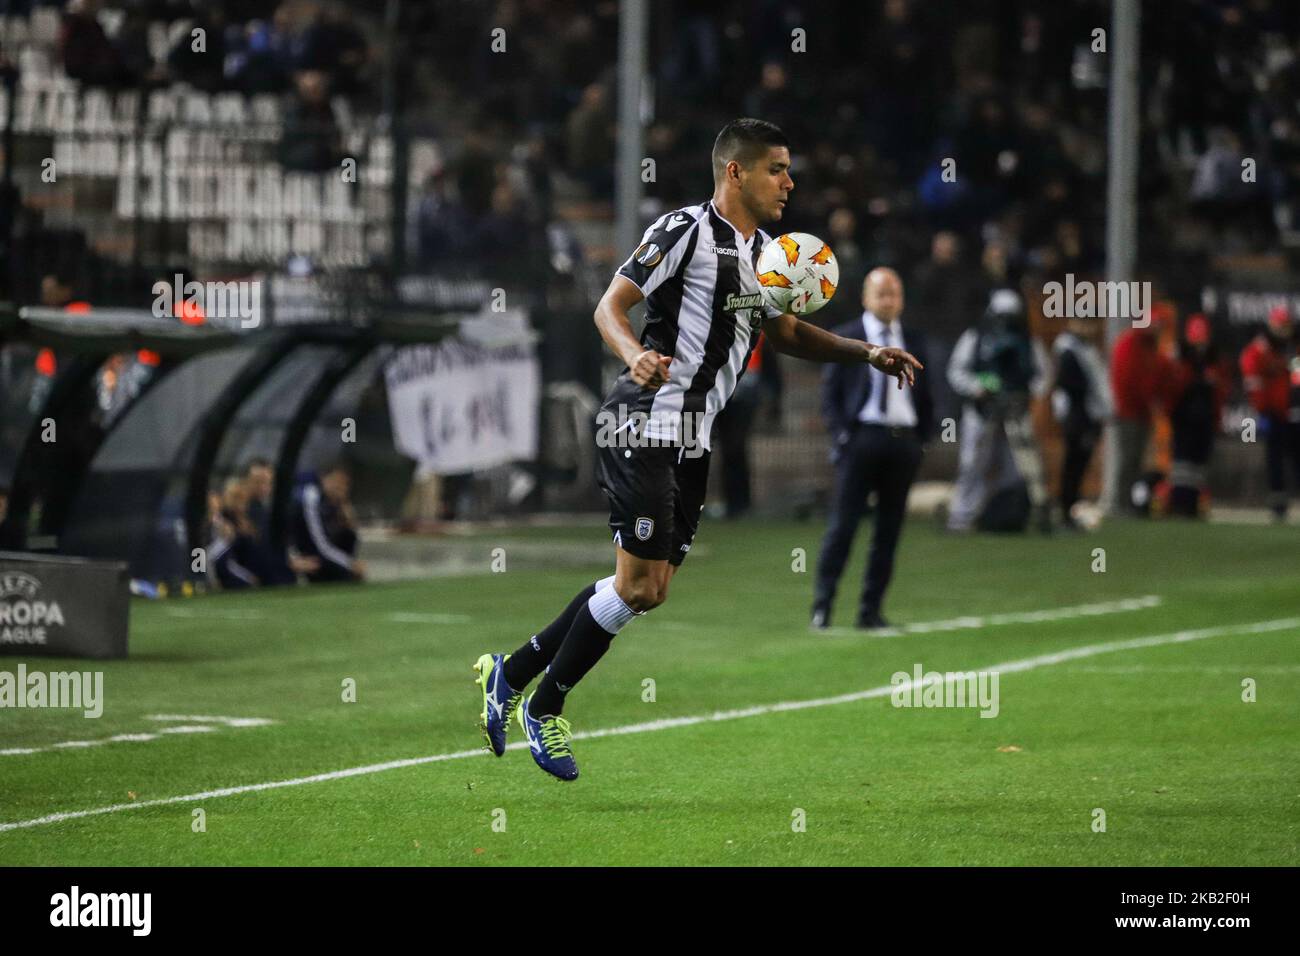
1121	200
632	37
392	110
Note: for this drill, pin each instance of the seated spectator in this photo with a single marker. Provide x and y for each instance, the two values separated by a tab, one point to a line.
589	135
311	141
842	227
87	53
258	59
503	237
1227	202
271	565
132	44
232	537
325	528
947	289
331	42
203	69
444	229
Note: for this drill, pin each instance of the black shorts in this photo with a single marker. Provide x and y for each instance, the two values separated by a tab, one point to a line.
655	498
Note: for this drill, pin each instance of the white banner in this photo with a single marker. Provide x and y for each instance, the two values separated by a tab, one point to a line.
460	406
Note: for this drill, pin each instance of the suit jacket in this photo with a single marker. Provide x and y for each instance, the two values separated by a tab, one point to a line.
846	387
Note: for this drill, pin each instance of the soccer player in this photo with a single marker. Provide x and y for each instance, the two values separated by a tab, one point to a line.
695	267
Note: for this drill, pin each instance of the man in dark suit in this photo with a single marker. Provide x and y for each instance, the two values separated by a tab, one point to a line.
877	431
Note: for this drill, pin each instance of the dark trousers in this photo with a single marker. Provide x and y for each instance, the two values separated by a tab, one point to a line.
346	540
883	460
1281	447
1080	443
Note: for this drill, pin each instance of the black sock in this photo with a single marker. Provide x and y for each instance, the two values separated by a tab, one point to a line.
531	659
585	644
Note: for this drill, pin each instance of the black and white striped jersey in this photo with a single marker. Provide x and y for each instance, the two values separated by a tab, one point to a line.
704	308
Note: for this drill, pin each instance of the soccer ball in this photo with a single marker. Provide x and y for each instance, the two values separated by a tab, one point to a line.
798	273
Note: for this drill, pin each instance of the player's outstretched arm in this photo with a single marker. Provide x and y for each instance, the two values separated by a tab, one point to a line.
793	336
646	366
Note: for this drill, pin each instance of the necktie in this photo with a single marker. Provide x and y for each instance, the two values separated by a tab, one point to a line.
883	401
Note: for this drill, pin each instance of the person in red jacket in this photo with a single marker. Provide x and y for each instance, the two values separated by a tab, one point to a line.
1140	378
1266	374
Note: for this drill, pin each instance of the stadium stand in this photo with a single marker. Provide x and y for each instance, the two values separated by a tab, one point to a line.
266	142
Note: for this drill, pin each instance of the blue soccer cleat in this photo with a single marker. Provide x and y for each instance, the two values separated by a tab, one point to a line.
548	740
499	701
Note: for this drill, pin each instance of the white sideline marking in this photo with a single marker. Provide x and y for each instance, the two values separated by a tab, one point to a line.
421	617
1011	617
228	721
186	725
188	729
1026	664
222	614
1243	670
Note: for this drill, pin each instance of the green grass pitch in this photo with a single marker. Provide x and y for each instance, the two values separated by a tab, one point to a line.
1157	737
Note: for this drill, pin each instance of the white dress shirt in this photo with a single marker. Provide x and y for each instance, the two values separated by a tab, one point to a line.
899	410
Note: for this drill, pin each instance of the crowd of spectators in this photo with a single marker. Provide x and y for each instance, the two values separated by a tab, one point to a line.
1170	369
875	97
244	46
305	50
874	101
964	144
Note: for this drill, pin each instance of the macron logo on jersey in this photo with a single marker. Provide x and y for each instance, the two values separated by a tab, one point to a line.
673	223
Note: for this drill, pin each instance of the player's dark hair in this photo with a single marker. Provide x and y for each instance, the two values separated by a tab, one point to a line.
745	140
